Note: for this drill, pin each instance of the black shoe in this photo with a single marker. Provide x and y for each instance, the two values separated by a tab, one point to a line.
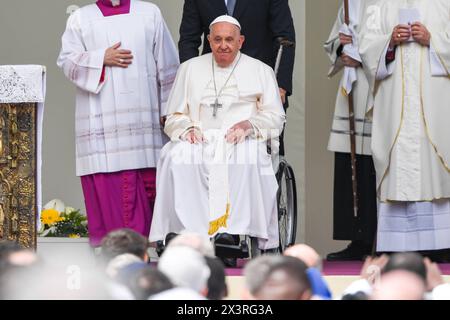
355	251
161	246
227	239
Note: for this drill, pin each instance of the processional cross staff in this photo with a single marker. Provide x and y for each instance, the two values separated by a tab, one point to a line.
351	119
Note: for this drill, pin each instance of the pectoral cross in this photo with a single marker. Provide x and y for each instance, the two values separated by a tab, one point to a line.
216	105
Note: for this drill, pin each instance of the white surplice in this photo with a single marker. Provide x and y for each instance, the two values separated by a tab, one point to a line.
219	187
118	120
339	140
410	128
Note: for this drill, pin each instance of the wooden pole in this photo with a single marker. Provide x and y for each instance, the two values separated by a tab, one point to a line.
351	119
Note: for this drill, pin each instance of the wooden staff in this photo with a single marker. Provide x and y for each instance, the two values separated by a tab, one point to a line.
351	119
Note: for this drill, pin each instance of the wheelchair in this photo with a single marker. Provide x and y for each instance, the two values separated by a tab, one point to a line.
287	220
287	205
247	246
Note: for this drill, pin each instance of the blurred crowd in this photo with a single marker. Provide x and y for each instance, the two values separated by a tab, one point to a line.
189	270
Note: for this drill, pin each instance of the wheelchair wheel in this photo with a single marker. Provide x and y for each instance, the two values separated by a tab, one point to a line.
287	205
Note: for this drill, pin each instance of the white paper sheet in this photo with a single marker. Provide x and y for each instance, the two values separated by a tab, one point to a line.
408	17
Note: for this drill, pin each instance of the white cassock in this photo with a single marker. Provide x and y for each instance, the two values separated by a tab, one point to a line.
353	80
218	187
410	126
118	120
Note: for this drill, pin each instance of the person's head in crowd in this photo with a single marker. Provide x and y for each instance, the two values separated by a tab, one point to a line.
314	263
13	255
185	268
194	241
280	278
399	285
408	261
22	258
147	282
6	247
48	282
305	253
217	286
355	296
124	241
126	273
14	261
120	262
255	272
287	280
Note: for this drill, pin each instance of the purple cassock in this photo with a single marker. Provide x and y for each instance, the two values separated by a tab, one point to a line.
122	199
108	9
118	200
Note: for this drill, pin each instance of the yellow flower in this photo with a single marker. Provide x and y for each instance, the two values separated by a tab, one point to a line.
50	217
74	236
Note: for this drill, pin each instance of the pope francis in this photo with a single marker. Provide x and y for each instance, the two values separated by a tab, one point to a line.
215	176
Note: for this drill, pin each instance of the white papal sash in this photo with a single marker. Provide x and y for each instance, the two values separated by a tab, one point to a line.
218	151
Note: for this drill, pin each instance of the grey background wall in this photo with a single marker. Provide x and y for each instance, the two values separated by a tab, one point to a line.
30	33
320	94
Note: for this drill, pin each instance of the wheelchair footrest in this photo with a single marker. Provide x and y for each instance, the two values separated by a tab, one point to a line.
232	251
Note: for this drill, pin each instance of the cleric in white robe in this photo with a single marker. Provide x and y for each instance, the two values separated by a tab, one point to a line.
123	61
342	48
215	176
406	51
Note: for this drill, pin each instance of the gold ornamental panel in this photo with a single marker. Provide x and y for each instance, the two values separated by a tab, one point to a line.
18	173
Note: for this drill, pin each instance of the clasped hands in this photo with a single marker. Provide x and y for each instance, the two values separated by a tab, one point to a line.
235	135
403	32
346	59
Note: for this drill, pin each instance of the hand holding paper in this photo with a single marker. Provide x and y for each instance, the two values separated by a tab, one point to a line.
409	17
400	34
420	34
